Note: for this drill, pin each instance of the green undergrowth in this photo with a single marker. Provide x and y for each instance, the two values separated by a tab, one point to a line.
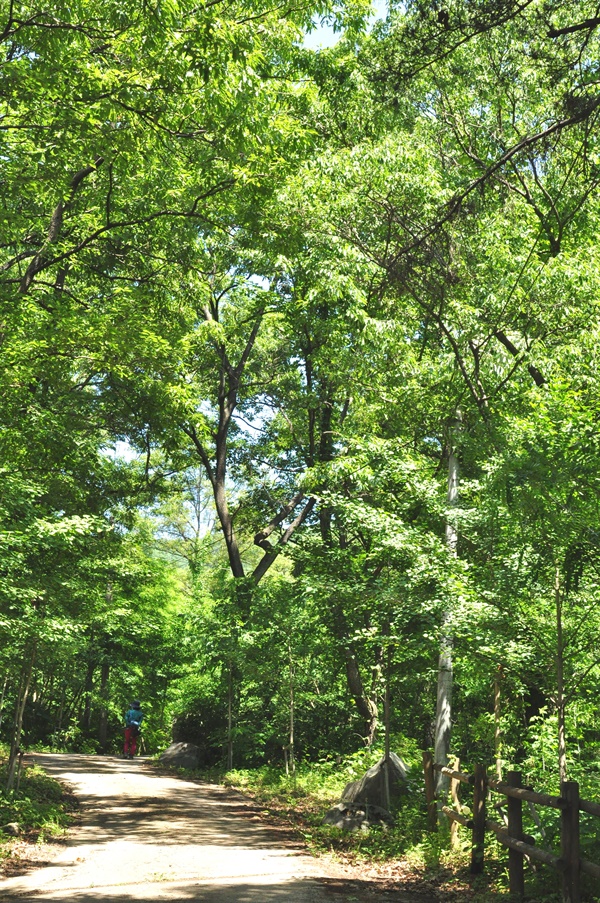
303	798
40	809
406	850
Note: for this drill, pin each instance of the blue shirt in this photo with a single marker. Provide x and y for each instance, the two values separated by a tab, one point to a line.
133	716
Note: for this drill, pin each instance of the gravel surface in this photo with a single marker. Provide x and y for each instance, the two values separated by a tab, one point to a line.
146	836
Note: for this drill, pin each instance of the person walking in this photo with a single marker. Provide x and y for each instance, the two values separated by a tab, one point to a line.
133	724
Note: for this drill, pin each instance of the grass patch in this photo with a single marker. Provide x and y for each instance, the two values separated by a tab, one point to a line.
41	809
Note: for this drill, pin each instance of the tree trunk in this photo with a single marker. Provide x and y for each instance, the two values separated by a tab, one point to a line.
230	719
224	515
560	681
61	708
386	718
4	688
443	718
21	702
103	725
367	708
292	705
497	733
89	686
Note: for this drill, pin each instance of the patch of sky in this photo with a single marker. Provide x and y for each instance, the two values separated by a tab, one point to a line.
253	420
120	451
260	281
323	35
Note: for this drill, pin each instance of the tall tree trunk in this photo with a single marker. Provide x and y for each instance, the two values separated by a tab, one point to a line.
443	717
89	686
560	680
21	702
224	515
386	718
230	719
292	712
367	708
4	688
103	725
497	732
61	708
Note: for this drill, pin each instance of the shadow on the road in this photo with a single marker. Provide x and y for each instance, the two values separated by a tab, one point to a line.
213	840
80	764
296	891
185	814
174	820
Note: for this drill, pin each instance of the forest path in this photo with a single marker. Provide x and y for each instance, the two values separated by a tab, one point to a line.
145	836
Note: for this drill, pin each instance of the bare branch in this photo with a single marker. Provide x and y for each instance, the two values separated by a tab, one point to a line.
512	349
269	557
202	453
261	538
571	29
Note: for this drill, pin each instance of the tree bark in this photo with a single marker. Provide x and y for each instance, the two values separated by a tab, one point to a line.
292	713
560	682
4	687
89	686
230	719
386	718
61	708
443	717
103	725
21	702
367	708
497	733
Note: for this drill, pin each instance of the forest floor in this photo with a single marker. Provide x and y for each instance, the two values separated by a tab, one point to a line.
145	835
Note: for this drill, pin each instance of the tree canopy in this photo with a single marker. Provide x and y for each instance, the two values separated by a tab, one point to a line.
299	375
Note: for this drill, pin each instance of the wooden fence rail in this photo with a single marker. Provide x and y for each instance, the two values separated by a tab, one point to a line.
568	864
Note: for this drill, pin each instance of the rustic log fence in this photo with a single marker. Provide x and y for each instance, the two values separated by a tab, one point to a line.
568	864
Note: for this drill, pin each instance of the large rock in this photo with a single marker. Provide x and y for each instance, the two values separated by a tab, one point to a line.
370	789
356	817
180	755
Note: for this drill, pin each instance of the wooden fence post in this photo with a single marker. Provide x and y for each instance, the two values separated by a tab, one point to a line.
569	841
430	791
478	844
515	830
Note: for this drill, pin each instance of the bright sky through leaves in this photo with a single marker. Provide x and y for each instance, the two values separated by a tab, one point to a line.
324	36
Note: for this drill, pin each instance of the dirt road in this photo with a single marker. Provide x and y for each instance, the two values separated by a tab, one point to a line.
148	837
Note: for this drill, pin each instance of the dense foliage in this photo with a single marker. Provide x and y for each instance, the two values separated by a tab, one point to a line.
299	379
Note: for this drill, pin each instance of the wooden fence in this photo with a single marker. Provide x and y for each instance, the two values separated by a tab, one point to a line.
568	864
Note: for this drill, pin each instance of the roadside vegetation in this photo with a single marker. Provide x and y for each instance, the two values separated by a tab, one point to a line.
39	810
405	851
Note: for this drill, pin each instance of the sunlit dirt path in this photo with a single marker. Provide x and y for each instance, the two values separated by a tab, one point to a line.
147	837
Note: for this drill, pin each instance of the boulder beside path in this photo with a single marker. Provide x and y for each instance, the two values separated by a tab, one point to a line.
370	789
180	755
363	802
